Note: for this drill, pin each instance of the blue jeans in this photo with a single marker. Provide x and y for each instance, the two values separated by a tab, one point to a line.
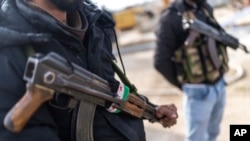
203	108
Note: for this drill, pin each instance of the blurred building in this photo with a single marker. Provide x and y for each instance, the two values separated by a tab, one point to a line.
142	16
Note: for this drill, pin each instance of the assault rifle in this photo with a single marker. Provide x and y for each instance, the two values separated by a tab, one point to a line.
220	36
51	74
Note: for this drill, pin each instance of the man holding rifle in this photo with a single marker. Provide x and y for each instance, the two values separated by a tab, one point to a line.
191	54
80	33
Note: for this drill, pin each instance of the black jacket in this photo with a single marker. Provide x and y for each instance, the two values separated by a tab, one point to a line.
22	26
170	35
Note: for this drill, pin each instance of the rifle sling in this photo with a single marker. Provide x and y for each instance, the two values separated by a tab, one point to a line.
123	78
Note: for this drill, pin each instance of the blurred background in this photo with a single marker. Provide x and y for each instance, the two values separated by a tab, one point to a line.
136	21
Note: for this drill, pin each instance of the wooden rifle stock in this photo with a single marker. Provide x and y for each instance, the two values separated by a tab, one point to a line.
22	111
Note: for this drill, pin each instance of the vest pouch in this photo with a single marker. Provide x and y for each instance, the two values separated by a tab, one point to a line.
189	59
193	65
224	58
212	74
178	57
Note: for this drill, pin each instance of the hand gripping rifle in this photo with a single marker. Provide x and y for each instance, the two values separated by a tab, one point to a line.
211	32
50	74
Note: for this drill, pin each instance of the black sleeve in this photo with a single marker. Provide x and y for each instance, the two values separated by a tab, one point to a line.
12	88
167	33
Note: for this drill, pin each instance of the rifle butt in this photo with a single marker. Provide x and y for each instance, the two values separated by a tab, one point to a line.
21	112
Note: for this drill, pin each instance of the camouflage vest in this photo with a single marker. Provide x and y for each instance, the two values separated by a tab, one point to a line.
194	60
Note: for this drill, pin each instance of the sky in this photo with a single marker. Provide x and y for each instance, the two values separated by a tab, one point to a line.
115	5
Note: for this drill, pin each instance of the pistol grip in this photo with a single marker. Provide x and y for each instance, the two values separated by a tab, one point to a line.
18	116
